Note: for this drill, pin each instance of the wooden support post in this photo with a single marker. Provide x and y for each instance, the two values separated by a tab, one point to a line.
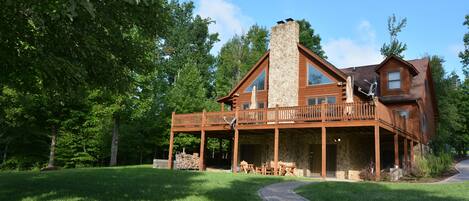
235	146
323	152
411	162
222	107
235	151
202	143
276	152
396	150
377	153
202	149
170	154
405	162
171	142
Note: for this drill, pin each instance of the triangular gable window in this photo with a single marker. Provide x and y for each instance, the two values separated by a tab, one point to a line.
259	82
316	77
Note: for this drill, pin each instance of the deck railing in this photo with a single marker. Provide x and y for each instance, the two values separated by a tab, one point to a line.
299	114
373	110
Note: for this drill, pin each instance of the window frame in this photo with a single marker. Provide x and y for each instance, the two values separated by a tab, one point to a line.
394	80
257	77
244	104
325	97
317	69
263	105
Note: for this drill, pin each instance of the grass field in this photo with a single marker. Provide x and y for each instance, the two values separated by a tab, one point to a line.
343	191
130	183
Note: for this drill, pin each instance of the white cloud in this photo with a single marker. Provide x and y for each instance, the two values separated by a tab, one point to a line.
348	52
229	19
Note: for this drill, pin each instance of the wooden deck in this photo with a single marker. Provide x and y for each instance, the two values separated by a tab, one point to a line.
369	114
316	116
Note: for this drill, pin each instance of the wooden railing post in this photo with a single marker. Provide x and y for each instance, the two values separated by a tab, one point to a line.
323	112
276	114
376	110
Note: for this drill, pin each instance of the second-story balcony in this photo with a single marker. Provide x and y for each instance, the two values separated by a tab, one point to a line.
329	115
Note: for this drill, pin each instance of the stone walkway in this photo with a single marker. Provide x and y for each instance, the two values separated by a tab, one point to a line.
282	191
463	168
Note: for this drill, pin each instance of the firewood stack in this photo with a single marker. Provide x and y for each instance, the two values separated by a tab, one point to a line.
187	161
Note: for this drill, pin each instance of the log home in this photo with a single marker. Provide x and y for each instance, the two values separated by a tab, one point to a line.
294	106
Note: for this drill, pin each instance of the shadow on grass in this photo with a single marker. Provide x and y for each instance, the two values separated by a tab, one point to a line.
130	183
385	191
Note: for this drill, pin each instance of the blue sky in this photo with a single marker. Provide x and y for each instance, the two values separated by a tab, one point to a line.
352	32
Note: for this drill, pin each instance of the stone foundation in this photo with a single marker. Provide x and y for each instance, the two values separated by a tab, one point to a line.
354	150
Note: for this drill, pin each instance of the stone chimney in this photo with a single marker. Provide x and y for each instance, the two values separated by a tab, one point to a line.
284	64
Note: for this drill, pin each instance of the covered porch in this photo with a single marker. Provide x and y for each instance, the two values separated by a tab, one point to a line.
331	144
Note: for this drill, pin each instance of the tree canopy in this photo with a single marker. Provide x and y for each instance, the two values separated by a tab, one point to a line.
94	83
395	47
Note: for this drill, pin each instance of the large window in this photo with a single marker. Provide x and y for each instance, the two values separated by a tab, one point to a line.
394	80
316	77
259	82
319	100
246	106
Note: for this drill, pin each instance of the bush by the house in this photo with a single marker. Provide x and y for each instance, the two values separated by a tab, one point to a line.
432	165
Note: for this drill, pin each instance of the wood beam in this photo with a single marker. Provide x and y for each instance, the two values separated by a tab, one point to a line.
202	143
396	150
377	153
235	152
411	162
170	154
323	152
171	143
276	136
202	150
405	162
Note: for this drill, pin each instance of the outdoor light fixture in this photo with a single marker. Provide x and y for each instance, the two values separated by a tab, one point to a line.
336	140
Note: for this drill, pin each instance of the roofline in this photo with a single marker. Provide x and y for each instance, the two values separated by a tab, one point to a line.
255	66
330	66
414	70
323	61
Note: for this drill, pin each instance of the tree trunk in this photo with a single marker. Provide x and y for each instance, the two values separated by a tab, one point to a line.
115	141
141	156
5	153
52	147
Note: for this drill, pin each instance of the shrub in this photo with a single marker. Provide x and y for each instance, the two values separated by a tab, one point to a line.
432	165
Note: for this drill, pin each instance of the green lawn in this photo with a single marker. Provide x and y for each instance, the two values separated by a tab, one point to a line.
364	191
130	183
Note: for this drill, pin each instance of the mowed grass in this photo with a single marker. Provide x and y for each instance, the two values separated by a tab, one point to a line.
130	183
365	191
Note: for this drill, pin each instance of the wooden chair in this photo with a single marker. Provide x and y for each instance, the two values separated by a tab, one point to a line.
243	165
251	168
268	169
290	169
